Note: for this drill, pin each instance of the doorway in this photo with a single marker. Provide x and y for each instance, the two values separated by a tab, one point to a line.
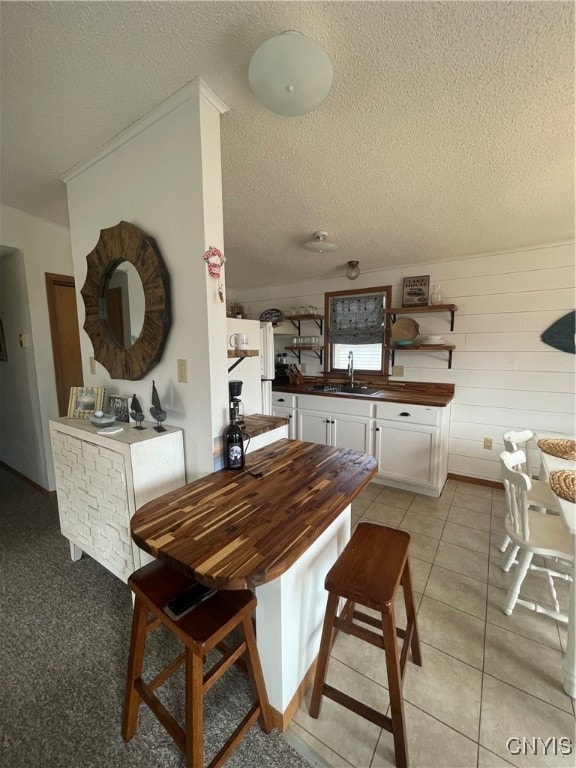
61	294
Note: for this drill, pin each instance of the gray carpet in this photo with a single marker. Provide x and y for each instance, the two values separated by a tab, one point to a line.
64	633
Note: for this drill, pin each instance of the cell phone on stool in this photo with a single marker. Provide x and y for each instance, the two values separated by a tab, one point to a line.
187	600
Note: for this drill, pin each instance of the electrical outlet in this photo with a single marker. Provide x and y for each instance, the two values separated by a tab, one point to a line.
397	370
92	365
488	443
302	367
182	371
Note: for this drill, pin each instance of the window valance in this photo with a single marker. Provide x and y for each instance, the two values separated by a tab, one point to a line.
357	319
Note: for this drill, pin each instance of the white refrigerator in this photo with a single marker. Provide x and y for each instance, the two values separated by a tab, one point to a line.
255	373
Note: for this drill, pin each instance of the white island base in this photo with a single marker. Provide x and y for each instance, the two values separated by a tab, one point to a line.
289	618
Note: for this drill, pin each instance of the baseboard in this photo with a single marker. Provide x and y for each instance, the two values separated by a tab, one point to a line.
282	719
27	480
475	480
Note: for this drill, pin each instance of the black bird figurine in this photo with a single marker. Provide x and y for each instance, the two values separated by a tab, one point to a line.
136	412
156	410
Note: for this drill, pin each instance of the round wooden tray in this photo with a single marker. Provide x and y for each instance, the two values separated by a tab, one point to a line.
562	448
563	483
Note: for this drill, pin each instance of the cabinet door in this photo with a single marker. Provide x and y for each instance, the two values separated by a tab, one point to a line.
286	413
314	427
93	501
351	432
406	451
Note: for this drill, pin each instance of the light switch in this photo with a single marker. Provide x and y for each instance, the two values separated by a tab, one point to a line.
23	340
182	371
92	365
397	370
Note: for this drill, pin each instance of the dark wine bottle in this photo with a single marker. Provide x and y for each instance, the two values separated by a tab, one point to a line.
233	444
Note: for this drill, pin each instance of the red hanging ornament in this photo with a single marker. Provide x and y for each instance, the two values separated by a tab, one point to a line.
214	258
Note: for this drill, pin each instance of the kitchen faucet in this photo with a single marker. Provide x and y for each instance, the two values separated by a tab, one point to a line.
351	367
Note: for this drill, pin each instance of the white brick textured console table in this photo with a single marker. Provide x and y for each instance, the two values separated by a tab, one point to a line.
101	480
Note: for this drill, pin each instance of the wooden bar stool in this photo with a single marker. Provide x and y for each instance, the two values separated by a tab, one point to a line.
201	630
369	570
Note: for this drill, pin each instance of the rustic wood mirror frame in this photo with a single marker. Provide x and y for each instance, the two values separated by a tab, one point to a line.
125	242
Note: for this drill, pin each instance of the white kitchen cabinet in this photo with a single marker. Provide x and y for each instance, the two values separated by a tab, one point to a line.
101	480
409	441
284	405
344	423
411	446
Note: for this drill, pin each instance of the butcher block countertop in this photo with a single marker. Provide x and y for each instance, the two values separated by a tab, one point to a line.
411	392
259	423
234	529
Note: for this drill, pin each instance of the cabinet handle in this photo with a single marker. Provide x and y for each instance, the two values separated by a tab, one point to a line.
404	413
377	429
332	422
289	415
281	400
327	421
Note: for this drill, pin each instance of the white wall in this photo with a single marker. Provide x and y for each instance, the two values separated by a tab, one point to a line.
504	375
44	247
163	175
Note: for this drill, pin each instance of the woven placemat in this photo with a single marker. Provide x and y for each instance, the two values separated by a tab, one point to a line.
563	483
560	447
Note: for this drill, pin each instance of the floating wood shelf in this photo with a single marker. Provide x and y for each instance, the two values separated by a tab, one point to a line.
297	350
418	310
422	348
296	320
243	352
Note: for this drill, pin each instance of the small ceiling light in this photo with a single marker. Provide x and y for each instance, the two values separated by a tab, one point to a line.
352	270
320	243
290	74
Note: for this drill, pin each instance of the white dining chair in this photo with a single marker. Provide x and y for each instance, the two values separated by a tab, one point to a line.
541	496
534	534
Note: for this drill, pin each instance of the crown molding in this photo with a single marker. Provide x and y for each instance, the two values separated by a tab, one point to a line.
192	90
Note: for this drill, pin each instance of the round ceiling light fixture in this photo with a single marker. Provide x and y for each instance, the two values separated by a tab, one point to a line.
320	243
290	74
352	270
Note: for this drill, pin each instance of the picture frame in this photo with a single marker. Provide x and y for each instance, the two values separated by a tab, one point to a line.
84	401
119	405
3	350
416	291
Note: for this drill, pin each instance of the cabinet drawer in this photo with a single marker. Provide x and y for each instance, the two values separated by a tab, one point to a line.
408	413
285	399
336	404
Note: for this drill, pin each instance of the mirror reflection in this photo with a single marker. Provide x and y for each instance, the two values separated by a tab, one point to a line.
124	304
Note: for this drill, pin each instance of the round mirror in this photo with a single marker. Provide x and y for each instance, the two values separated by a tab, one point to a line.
124	304
130	344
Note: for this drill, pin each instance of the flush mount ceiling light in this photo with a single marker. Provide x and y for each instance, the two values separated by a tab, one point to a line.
320	243
352	270
290	74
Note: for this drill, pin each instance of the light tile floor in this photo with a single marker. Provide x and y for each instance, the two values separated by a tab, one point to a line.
486	677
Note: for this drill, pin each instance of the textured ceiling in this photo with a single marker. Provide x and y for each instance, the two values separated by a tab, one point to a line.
448	131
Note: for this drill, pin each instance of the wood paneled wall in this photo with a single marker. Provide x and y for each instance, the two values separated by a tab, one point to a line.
505	376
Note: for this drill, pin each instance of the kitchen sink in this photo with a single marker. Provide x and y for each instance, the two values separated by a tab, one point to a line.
342	389
359	390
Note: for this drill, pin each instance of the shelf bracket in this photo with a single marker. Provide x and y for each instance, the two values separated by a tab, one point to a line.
296	353
236	363
297	323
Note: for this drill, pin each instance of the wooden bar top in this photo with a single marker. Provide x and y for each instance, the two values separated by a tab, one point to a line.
259	423
235	530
